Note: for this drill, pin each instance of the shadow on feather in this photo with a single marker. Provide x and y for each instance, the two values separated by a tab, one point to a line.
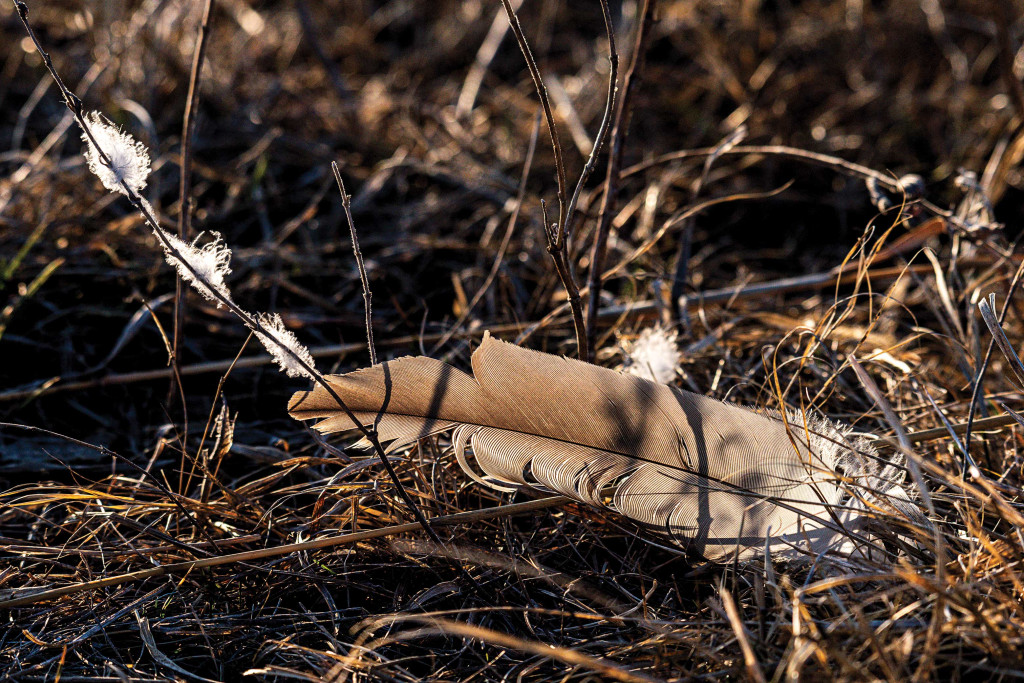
719	480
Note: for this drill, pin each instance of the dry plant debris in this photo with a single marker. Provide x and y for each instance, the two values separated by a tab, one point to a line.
843	181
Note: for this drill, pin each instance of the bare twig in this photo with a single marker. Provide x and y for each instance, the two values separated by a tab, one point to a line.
620	131
188	128
558	233
346	203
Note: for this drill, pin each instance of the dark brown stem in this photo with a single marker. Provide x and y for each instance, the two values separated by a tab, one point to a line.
606	118
575	301
556	232
346	203
620	131
188	128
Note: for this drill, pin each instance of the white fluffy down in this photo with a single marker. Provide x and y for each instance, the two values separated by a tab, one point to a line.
654	355
283	339
129	158
209	264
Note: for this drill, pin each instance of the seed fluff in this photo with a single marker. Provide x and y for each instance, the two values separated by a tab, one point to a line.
274	326
654	355
210	263
129	158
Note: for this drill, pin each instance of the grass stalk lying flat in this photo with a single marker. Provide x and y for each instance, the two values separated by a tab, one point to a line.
458	518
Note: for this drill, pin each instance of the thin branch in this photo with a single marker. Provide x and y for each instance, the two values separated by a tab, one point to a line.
188	128
555	233
346	203
620	131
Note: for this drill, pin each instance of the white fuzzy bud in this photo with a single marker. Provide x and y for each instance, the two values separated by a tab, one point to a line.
129	158
274	326
210	263
654	355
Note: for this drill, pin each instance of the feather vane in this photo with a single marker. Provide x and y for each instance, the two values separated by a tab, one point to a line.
722	481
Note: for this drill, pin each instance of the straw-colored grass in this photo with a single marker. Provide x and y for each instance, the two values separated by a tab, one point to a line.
143	477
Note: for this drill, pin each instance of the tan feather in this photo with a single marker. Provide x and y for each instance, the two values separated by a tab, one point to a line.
720	480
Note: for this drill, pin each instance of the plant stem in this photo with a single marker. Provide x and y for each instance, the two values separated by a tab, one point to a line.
346	203
620	132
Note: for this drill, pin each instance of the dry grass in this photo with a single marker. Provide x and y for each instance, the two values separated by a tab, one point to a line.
564	593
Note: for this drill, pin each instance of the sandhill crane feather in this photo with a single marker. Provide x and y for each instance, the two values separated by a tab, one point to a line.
719	480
